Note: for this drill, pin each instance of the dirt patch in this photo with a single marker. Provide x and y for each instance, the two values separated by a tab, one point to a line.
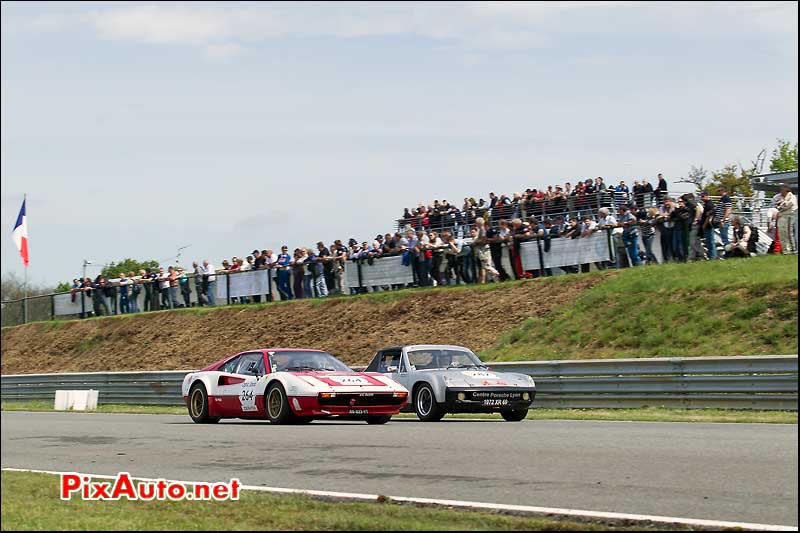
350	328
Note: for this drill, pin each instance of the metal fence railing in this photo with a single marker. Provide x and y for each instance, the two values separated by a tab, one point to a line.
747	382
460	221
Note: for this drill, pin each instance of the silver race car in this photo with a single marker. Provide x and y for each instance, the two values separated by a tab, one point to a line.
451	379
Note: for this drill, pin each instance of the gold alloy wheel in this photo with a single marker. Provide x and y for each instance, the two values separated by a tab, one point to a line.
197	403
275	402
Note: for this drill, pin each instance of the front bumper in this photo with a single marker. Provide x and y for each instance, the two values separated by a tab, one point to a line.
347	405
488	399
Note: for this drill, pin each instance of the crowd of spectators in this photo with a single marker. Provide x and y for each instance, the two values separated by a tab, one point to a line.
468	245
567	200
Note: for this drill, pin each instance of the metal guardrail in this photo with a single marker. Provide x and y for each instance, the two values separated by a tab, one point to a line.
748	382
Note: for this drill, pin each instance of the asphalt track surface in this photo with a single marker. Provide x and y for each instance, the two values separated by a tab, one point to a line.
736	472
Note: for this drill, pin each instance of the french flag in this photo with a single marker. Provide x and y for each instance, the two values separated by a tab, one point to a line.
20	234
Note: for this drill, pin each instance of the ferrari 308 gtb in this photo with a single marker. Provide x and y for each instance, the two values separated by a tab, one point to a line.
289	386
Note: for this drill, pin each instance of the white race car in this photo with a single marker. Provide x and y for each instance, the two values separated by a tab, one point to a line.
289	386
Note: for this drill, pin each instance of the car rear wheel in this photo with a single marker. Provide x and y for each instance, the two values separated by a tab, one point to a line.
428	410
378	419
514	415
198	405
277	403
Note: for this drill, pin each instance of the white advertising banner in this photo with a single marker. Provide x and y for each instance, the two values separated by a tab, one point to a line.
64	305
382	271
566	252
248	283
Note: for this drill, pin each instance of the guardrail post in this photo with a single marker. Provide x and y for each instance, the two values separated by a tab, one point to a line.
228	288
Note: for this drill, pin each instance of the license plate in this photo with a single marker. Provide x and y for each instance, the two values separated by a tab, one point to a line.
358	412
495	402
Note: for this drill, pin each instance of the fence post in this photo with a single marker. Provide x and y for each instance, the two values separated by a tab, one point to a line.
228	288
52	307
541	256
83	304
269	284
611	251
360	282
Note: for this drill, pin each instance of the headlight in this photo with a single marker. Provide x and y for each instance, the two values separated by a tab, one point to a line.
526	396
327	395
462	396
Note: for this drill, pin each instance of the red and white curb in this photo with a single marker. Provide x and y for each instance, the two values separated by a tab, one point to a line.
515	509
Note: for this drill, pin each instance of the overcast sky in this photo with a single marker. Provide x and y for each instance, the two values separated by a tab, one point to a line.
137	128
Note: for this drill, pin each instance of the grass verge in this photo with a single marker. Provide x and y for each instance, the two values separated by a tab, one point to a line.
734	307
646	414
30	501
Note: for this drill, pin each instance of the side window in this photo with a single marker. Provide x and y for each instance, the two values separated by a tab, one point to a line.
421	360
251	364
388	359
230	366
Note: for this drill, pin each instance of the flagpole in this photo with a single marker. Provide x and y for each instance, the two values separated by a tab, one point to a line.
25	300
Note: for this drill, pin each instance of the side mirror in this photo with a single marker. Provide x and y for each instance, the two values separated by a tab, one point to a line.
391	369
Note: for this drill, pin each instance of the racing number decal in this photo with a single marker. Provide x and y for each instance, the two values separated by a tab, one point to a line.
349	380
248	397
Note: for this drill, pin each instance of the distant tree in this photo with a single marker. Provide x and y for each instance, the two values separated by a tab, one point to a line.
64	286
735	180
698	176
784	157
112	270
12	287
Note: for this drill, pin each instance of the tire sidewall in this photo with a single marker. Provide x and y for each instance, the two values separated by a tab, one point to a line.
198	388
285	412
435	413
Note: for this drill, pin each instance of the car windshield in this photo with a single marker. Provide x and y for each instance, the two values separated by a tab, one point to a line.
305	362
423	359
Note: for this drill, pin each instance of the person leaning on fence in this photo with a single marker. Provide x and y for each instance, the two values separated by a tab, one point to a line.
185	288
283	265
325	258
665	213
135	291
209	281
786	205
124	293
496	250
339	255
708	225
317	268
696	210
298	273
630	236
98	296
647	220
198	271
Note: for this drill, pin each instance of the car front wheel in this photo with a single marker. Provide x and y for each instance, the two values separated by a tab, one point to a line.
428	410
277	403
198	405
514	415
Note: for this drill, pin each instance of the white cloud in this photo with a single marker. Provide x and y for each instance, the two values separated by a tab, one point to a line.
223	52
472	26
